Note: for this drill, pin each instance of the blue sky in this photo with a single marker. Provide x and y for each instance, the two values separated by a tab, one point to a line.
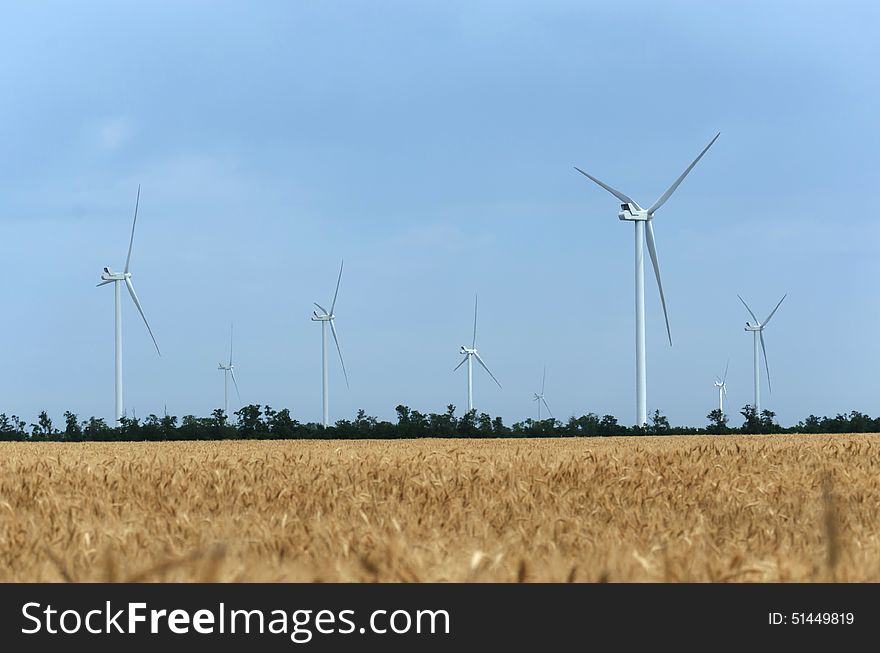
431	146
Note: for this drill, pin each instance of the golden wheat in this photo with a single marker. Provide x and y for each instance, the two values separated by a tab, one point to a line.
756	508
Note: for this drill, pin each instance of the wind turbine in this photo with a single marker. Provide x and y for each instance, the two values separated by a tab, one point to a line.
327	317
539	397
116	278
631	211
721	384
469	354
228	370
757	330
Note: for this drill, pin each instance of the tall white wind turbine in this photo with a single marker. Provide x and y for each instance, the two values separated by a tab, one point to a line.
721	384
116	278
326	317
631	211
228	370
471	353
539	397
757	330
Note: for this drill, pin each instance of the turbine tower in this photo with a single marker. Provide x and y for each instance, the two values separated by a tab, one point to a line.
539	397
471	353
757	330
641	218
116	278
228	370
721	384
326	317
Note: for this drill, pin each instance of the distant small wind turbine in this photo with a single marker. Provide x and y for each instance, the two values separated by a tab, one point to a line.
228	370
325	317
721	384
642	219
539	397
757	330
109	276
469	354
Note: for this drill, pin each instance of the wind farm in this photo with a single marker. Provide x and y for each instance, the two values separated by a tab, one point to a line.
517	410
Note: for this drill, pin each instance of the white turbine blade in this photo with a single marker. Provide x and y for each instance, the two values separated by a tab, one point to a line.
543	380
103	283
774	310
338	279
474	342
463	361
141	311
616	193
766	364
323	310
235	383
649	230
230	345
748	309
134	222
547	407
726	367
480	361
724	390
339	349
684	174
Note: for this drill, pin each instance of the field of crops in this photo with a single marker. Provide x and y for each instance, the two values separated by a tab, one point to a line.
731	508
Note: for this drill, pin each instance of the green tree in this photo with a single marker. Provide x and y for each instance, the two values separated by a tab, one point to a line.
443	425
609	426
752	422
129	428
168	426
659	424
467	425
404	424
12	428
43	429
250	422
768	424
97	429
717	422
811	424
484	424
364	424
72	429
282	425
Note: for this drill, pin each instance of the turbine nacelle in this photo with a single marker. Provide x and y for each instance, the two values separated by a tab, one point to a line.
109	275
322	317
754	327
467	351
633	212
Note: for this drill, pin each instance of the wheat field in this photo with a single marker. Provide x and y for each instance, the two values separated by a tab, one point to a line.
730	508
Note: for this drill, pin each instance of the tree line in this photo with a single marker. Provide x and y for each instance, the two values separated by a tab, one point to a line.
264	422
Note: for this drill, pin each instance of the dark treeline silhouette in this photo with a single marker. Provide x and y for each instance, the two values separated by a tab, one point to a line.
263	422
